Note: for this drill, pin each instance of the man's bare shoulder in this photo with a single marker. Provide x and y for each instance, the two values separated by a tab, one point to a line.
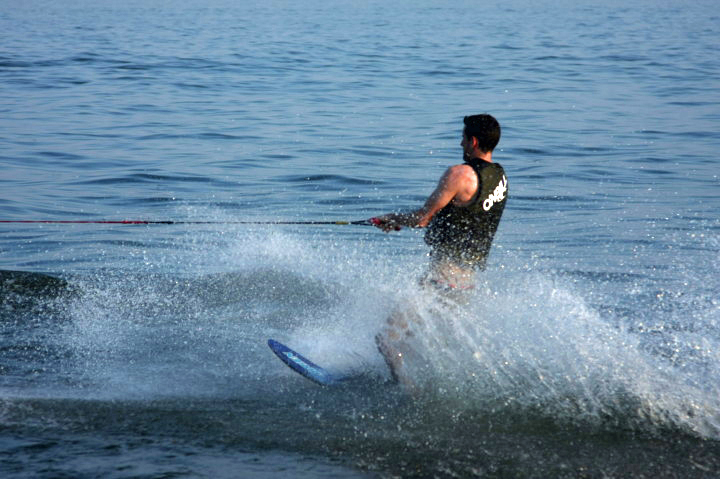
462	180
460	173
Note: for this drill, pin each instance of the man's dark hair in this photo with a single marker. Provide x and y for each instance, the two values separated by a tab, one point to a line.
485	128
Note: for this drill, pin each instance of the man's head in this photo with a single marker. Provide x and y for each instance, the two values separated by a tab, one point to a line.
485	129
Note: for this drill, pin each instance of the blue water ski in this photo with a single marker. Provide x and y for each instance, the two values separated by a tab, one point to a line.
303	365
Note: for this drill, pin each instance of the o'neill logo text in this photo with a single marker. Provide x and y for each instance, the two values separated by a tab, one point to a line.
496	196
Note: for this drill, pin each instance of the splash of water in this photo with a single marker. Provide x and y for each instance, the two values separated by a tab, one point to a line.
523	341
529	342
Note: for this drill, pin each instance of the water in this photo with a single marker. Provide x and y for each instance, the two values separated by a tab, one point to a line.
589	348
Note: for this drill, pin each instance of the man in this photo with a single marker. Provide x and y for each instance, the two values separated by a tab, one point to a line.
461	216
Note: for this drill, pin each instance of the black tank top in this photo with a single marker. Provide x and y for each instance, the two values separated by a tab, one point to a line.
464	234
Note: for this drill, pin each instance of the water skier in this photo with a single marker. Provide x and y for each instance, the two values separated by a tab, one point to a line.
461	216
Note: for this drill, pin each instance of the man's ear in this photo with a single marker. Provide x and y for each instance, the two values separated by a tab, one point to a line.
475	142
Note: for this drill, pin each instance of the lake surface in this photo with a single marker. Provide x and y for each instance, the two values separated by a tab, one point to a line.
588	349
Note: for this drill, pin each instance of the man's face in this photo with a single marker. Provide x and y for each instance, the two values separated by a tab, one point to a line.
466	145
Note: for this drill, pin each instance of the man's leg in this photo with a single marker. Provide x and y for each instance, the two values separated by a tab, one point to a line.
392	344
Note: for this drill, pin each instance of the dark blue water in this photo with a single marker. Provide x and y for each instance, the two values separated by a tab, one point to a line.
590	348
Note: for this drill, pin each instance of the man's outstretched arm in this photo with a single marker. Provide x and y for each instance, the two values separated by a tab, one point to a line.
455	180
